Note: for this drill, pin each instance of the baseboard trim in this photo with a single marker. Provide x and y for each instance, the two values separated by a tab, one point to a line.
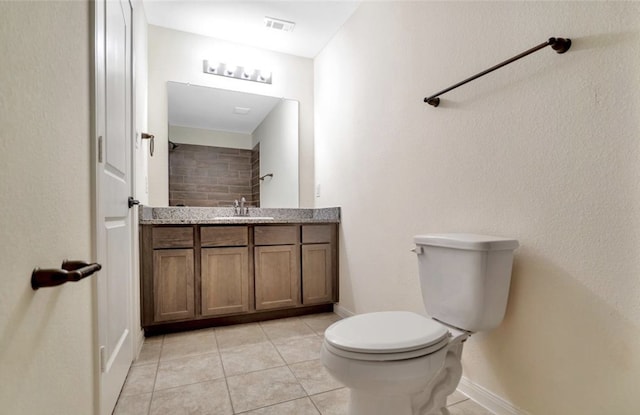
487	399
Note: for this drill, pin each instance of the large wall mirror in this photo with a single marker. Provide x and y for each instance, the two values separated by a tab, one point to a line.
225	145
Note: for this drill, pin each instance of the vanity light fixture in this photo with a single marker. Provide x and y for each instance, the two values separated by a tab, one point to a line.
237	72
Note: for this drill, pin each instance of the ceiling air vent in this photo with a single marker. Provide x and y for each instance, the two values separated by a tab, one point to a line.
278	24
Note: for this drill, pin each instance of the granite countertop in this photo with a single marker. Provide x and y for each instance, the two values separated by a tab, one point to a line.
223	216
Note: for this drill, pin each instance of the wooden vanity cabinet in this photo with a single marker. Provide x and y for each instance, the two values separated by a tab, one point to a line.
319	265
195	276
277	269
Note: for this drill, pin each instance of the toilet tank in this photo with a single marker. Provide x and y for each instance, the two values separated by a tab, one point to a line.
465	278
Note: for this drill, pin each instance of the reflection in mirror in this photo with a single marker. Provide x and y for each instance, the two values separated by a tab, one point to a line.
226	145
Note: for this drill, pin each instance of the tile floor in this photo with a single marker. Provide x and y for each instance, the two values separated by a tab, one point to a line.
266	368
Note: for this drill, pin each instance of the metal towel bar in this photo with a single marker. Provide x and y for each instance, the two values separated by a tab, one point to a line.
560	45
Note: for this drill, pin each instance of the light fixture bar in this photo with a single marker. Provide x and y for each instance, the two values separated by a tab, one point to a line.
237	72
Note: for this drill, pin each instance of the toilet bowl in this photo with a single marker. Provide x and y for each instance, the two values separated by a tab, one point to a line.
388	360
403	363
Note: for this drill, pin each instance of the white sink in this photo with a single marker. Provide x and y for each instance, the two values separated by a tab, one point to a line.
243	218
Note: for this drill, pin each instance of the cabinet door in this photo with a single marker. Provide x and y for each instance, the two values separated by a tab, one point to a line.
317	274
225	280
173	284
277	276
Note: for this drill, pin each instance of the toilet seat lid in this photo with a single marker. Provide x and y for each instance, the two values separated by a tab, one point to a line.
385	332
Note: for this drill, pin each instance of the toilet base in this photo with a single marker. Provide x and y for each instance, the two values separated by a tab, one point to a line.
431	401
365	403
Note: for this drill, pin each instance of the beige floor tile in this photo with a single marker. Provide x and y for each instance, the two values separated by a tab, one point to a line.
300	349
320	322
335	402
188	344
191	335
314	378
150	353
153	339
206	398
281	331
244	359
188	370
302	406
467	407
240	335
456	397
133	405
139	380
266	387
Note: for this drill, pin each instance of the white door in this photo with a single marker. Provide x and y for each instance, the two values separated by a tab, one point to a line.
113	186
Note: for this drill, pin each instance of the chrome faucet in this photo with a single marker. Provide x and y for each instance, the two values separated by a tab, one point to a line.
239	208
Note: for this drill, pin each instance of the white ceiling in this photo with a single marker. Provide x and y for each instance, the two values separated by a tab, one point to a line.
242	21
213	108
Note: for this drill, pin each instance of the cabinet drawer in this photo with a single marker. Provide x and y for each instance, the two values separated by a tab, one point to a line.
315	234
276	235
172	237
224	236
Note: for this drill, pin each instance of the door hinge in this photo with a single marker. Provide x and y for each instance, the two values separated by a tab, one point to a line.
103	363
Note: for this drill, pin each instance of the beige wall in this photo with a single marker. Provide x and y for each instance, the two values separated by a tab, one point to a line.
545	150
177	56
46	336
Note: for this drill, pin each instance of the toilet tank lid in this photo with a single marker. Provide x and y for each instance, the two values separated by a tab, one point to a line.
467	241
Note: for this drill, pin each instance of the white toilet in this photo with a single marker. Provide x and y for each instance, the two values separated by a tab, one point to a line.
401	363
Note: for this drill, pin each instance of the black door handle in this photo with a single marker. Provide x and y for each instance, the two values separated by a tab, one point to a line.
70	271
132	202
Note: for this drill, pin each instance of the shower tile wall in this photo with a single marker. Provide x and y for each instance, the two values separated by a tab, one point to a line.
209	176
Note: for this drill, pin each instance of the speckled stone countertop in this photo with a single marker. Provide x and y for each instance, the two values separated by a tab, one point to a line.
225	215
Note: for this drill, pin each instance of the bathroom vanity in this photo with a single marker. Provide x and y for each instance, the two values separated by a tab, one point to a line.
202	267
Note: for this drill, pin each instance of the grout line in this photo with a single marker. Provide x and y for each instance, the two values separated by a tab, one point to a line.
155	378
315	406
257	370
274	404
456	403
321	393
298	380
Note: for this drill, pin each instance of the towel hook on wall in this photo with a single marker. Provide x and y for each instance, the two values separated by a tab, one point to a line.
559	44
